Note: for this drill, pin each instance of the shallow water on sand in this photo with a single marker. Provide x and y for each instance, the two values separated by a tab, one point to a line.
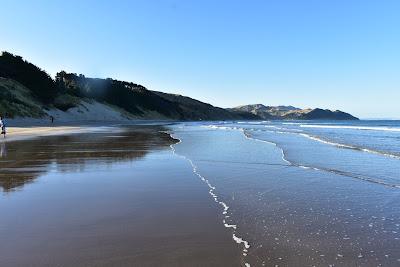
290	214
109	198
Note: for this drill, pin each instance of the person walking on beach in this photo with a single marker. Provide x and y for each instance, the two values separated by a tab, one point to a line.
3	126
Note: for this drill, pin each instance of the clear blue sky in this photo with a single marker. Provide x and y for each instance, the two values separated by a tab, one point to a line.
342	54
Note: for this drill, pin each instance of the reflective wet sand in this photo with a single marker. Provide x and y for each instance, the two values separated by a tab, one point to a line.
111	198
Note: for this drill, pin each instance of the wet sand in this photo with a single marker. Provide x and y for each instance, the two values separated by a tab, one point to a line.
107	198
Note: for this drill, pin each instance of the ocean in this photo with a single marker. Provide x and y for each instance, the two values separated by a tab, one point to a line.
302	193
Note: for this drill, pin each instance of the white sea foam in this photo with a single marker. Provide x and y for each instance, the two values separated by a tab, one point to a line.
291	123
217	127
237	239
304	167
348	146
273	126
325	141
370	128
240	240
253	122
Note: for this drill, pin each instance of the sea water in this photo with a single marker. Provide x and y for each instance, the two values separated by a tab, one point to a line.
302	193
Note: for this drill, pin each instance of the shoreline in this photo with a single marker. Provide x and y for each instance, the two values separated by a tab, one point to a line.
233	227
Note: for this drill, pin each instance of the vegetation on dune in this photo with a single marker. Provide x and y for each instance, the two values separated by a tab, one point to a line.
131	97
31	76
17	100
67	90
66	101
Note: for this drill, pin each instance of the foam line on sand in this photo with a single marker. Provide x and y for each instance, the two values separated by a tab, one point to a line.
233	227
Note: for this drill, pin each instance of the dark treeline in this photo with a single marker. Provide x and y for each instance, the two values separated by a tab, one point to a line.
63	91
31	76
132	97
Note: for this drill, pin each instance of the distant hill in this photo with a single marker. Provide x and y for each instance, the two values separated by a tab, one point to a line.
293	113
28	91
193	109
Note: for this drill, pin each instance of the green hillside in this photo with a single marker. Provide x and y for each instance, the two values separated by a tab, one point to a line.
17	100
28	90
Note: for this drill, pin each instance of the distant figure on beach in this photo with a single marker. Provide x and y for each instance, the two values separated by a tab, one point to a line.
3	126
52	119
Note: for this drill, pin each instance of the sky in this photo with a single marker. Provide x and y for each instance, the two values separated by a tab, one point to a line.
337	54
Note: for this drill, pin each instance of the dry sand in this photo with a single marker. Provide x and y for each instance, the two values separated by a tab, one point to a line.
86	117
20	133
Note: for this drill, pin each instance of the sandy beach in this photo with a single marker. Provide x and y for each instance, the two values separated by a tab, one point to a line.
20	133
28	128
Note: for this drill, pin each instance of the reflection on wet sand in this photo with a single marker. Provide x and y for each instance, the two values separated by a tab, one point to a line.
23	161
118	198
3	150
